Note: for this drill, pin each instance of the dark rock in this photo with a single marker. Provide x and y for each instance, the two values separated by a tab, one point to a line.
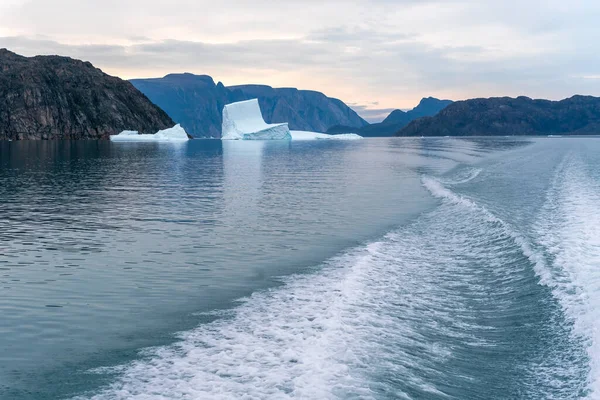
511	116
52	97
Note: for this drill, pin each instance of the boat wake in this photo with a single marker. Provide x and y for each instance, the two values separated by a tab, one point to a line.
431	310
569	230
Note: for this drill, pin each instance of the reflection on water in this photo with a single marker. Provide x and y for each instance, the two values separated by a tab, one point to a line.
242	181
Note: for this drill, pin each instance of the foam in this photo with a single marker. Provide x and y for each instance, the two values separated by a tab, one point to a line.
569	229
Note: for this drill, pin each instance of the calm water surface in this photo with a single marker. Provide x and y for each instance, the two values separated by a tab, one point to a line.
378	269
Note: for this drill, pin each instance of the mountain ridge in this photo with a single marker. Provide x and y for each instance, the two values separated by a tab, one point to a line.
397	119
196	102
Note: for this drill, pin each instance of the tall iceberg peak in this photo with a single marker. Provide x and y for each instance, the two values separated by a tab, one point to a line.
243	121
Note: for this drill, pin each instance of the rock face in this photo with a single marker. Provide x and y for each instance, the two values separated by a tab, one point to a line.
196	102
398	119
52	97
578	115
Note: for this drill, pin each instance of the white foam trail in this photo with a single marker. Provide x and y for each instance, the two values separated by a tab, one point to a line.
320	336
279	344
569	230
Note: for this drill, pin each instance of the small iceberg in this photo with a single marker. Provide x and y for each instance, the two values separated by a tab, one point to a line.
174	134
305	135
243	121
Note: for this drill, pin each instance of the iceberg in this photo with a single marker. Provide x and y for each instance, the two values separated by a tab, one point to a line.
305	135
243	121
174	134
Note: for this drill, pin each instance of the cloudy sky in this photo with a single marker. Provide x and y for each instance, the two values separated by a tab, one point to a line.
376	55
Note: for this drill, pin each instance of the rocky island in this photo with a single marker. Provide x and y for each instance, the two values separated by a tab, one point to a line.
577	115
52	97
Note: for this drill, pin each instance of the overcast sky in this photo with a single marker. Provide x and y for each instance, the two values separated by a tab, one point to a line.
375	55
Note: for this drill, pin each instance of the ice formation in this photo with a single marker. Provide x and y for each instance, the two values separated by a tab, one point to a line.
305	135
243	121
174	134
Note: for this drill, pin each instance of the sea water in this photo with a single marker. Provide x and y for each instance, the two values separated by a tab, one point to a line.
442	268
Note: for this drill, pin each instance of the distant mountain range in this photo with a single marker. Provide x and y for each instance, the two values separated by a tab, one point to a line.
52	97
196	102
577	115
397	119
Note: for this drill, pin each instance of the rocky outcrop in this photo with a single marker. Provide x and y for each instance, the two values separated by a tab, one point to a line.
579	115
52	97
397	119
196	102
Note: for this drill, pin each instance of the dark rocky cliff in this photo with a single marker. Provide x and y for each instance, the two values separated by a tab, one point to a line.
52	97
197	103
511	116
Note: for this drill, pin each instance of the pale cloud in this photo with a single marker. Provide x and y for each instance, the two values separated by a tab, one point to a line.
385	51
